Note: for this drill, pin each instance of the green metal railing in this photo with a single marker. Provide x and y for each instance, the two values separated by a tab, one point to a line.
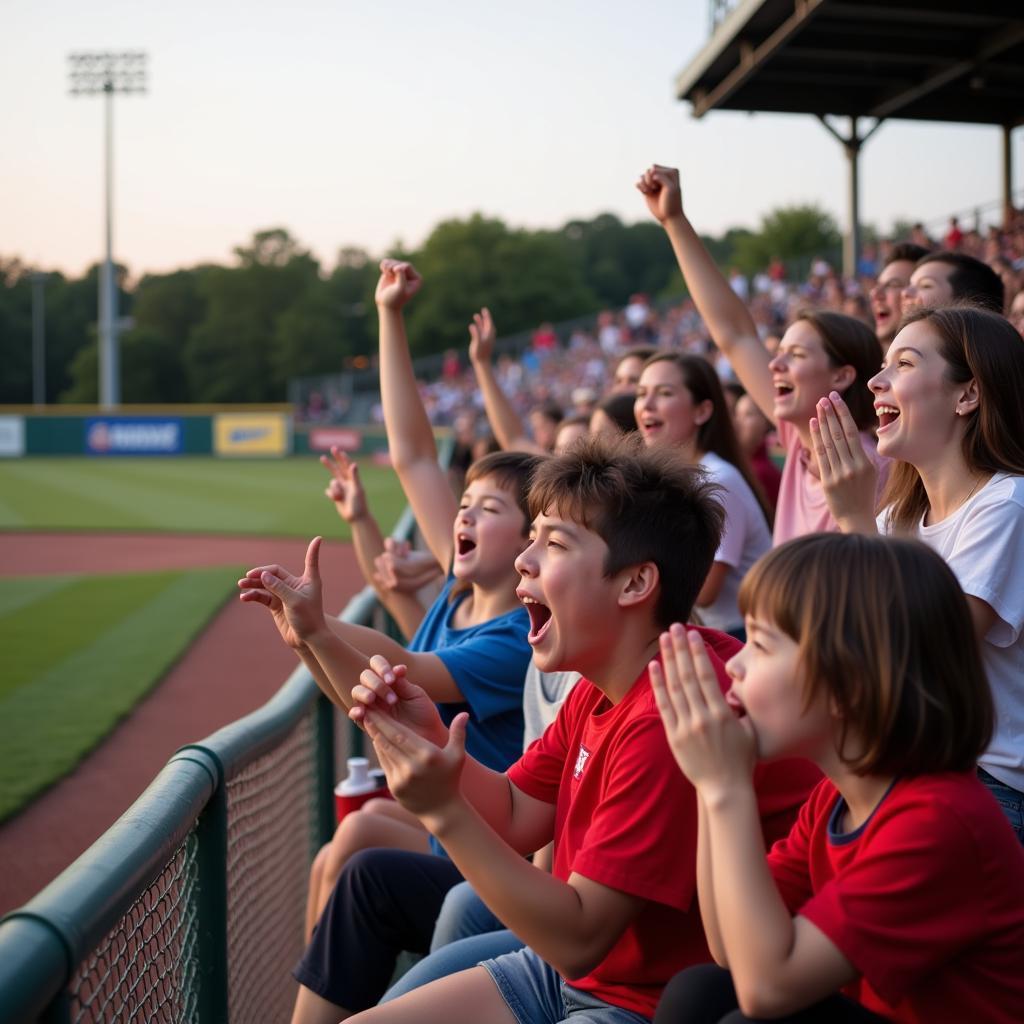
191	906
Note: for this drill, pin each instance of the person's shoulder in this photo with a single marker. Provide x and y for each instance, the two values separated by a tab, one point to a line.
1001	488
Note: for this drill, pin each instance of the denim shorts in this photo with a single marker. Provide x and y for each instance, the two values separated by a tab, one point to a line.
1011	800
536	994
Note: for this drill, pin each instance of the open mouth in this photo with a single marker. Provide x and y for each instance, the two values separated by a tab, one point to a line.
886	414
735	704
540	618
782	389
463	545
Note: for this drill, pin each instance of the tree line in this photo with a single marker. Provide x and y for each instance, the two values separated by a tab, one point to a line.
237	333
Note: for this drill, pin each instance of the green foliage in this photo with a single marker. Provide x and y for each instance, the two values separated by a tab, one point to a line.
239	333
63	689
790	233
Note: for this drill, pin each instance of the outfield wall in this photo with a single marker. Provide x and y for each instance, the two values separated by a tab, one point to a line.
167	431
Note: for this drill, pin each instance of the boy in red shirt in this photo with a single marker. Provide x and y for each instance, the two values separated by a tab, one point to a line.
622	540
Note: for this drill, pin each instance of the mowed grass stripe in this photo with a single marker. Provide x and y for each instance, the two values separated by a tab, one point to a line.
24	592
279	497
88	673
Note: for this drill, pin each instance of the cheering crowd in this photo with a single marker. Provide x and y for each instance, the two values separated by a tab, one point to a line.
682	735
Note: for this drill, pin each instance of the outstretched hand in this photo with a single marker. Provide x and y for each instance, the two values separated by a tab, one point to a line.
345	488
295	601
848	476
422	776
400	569
660	188
385	689
399	282
482	335
715	749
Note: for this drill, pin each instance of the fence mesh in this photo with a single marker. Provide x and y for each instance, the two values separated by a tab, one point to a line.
271	840
146	969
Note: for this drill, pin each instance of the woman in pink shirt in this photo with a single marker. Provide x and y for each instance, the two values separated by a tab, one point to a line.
820	352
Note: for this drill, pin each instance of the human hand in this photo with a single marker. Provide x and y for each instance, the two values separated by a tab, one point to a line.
482	335
300	597
387	690
848	476
660	188
715	749
399	282
423	777
400	569
345	488
252	593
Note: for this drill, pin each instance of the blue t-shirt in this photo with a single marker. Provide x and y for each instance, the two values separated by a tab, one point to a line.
488	663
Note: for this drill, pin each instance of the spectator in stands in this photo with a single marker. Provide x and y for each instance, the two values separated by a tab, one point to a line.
1017	312
505	422
679	403
614	415
752	430
954	236
623	538
943	277
570	430
627	369
820	352
949	407
470	651
887	293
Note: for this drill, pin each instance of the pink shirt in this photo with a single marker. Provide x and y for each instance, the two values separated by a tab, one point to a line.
802	507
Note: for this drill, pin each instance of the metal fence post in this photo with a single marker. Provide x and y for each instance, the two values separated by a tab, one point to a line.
212	833
324	770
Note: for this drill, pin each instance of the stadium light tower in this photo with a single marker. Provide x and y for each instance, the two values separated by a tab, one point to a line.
94	73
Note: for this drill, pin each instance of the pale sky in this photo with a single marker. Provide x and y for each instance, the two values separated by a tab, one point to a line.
361	123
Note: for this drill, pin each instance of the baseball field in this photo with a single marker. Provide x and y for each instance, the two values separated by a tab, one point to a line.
81	648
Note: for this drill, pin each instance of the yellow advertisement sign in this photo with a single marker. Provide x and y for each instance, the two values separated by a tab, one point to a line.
251	433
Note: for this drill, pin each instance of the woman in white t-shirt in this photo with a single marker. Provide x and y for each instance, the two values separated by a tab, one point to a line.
679	401
950	404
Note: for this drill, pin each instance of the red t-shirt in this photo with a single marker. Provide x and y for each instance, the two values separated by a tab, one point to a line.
926	899
626	817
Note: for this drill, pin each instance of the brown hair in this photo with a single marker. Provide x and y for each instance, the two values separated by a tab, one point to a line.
883	625
646	504
984	347
850	342
717	433
619	409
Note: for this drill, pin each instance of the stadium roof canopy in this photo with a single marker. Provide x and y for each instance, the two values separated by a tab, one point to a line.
928	60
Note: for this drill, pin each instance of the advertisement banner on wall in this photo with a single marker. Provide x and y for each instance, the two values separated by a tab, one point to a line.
251	433
12	437
140	435
323	439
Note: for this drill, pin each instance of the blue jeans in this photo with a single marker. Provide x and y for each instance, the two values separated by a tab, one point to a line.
460	955
463	914
535	994
1011	800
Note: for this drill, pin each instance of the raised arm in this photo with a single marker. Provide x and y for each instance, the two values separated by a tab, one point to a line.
410	438
727	318
346	491
506	424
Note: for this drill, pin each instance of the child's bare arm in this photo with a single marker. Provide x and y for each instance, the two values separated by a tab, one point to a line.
410	438
572	925
506	424
724	312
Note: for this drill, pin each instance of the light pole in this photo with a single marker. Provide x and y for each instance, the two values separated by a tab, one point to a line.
93	73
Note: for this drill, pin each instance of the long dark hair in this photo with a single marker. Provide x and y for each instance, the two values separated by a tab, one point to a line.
982	346
716	434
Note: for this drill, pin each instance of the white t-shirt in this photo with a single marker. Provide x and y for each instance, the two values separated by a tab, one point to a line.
543	694
744	540
983	543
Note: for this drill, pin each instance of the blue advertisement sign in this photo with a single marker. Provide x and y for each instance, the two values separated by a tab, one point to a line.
142	435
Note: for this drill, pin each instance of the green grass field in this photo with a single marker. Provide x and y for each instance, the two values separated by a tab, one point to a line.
80	651
273	497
